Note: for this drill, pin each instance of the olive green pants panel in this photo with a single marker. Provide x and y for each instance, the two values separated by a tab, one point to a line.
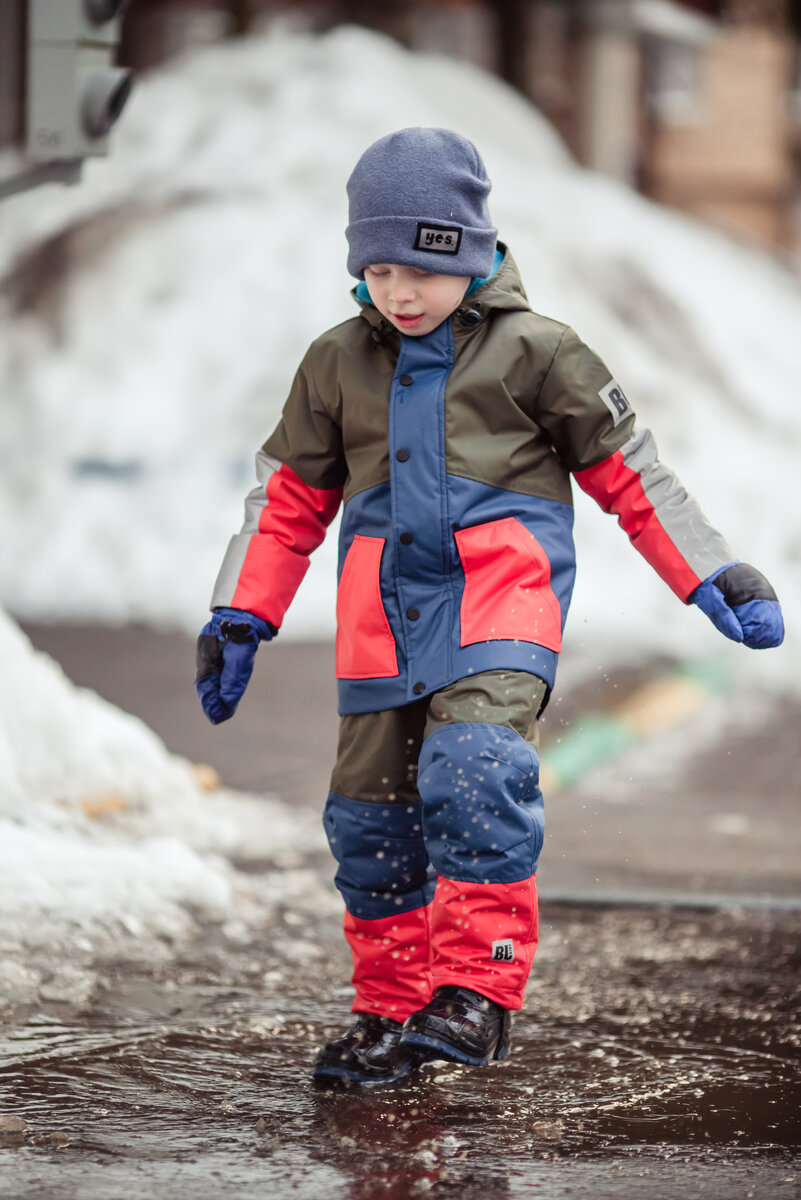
378	752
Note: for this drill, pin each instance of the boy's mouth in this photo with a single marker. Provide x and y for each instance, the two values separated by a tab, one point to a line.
407	322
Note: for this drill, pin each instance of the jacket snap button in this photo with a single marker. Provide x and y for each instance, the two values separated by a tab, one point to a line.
470	316
419	688
412	613
406	539
402	455
406	380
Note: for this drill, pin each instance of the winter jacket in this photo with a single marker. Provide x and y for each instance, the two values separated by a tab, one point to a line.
453	453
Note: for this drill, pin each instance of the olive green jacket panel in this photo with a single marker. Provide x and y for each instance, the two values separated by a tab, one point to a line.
491	434
333	429
585	428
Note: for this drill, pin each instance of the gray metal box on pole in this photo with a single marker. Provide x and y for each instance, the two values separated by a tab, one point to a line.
74	91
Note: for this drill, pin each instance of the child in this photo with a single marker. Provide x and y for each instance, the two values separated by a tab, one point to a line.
449	417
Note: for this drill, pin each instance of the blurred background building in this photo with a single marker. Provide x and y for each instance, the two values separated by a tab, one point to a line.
696	103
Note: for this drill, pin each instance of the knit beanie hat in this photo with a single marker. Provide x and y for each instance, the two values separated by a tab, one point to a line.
418	198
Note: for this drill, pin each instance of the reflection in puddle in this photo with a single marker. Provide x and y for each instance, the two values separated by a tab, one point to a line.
651	1042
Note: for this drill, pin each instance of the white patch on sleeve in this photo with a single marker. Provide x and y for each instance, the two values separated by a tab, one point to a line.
615	400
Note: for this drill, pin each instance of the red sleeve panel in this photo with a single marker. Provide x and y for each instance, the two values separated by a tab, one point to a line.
663	522
286	520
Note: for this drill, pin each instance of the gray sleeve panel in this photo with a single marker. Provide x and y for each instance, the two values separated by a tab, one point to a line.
255	503
230	571
699	543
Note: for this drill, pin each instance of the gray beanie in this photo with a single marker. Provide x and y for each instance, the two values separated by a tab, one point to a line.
418	197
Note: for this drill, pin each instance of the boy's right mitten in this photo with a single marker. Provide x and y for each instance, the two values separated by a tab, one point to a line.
226	650
740	602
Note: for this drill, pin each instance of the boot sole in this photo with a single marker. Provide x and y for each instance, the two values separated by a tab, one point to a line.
332	1075
421	1041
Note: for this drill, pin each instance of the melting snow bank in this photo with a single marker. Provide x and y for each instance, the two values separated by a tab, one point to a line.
152	320
110	845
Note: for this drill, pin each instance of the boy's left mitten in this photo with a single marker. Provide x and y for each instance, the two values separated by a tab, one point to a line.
226	650
740	602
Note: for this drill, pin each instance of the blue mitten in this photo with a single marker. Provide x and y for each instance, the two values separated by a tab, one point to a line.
226	650
740	602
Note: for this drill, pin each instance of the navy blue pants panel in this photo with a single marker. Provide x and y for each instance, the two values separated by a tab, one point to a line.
383	865
483	815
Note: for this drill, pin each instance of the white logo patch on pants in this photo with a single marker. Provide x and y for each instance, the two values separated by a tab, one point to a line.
503	951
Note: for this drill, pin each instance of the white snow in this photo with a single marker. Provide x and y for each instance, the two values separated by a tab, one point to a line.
666	19
104	836
152	319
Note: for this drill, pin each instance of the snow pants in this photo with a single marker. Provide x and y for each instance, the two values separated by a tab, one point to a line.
435	818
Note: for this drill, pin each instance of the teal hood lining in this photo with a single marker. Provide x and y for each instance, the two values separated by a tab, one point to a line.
363	295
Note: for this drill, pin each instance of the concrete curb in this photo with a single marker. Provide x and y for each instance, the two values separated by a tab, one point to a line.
700	901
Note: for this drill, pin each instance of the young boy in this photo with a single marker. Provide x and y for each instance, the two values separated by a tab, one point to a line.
449	417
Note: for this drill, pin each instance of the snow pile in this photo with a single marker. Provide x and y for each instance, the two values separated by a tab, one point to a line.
103	833
153	319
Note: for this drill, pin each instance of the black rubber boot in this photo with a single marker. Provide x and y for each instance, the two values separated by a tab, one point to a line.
460	1025
368	1055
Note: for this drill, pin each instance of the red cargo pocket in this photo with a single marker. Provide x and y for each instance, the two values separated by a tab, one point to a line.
365	647
507	586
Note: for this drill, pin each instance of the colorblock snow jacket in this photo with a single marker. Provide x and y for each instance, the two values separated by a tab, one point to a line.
453	453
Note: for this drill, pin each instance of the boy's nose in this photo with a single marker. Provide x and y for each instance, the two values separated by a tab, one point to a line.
401	292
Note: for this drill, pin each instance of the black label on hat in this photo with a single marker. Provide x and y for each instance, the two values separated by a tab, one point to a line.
439	239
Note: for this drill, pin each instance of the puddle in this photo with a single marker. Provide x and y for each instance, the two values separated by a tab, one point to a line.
656	1049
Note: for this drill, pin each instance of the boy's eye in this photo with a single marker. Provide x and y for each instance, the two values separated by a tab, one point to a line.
377	271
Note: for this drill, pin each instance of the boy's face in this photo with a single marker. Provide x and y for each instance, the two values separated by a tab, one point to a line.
415	302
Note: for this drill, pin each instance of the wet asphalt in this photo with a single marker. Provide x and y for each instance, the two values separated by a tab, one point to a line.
658	1051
